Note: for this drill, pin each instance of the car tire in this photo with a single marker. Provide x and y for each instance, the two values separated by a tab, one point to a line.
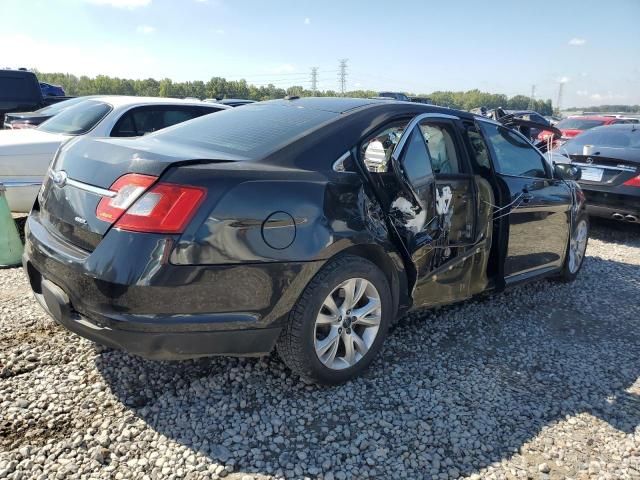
577	247
303	346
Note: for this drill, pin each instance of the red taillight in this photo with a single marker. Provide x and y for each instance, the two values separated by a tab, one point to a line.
128	187
163	208
166	208
633	182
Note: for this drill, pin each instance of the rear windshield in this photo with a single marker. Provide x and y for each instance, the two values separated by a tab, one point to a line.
78	119
19	88
578	124
607	137
250	131
58	107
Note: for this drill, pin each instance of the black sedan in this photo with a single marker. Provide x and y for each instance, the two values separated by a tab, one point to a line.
33	119
309	225
609	158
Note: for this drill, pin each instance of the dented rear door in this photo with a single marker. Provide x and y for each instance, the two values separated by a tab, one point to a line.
436	212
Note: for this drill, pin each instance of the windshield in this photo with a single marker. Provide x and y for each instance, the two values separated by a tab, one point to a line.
253	130
78	119
607	137
58	107
578	124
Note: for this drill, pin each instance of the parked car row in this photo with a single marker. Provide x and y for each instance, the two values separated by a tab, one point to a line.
575	125
308	225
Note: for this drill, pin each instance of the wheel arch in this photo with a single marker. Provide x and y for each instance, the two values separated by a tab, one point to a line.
391	266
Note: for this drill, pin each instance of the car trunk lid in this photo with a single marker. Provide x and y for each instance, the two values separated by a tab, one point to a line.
608	166
84	171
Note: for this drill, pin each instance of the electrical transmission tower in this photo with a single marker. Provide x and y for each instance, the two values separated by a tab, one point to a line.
314	79
559	102
532	98
342	75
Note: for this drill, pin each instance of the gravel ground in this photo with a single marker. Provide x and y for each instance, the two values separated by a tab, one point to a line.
539	382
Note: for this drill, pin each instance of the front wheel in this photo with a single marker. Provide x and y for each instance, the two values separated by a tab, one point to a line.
339	323
577	249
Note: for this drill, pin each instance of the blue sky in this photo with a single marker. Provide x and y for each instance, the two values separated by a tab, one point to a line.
418	46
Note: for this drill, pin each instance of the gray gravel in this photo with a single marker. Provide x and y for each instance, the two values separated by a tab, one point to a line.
540	382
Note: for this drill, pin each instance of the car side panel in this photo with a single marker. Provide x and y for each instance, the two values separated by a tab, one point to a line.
259	214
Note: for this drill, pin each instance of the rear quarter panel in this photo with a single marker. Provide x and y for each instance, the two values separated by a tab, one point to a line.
258	213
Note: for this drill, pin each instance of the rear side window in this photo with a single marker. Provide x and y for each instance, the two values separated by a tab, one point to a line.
442	150
377	150
78	119
416	161
513	154
479	149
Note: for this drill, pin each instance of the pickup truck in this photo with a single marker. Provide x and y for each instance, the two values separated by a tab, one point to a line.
20	92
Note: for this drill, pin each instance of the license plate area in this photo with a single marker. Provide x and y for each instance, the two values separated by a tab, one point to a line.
591	174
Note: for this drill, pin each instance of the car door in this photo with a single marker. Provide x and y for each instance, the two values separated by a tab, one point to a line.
436	212
538	211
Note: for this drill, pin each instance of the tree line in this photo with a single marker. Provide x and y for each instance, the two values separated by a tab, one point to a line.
218	87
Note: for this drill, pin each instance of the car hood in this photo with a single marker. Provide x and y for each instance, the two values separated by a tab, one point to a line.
29	142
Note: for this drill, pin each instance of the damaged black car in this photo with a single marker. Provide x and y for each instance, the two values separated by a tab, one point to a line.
306	225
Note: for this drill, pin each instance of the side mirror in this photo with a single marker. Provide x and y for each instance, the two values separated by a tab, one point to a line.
566	171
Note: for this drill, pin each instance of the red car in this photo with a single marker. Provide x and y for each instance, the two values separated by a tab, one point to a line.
573	126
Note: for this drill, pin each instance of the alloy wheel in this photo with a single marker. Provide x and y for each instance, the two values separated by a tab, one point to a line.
347	323
578	246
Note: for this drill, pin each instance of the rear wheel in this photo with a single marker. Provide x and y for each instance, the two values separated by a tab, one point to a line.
339	323
577	249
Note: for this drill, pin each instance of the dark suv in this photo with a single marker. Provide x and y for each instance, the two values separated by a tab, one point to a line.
20	92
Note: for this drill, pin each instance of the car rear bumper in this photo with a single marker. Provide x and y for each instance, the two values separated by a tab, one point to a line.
167	340
177	312
609	201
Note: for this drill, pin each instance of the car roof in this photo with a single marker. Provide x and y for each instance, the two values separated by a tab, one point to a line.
343	105
521	112
618	126
235	100
117	101
594	117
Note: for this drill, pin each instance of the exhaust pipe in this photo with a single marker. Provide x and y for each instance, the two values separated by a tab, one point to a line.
630	218
618	216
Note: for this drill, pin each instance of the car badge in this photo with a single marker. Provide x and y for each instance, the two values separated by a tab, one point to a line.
80	220
60	178
589	160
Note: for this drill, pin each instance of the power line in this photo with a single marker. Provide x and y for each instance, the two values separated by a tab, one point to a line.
272	74
342	76
314	79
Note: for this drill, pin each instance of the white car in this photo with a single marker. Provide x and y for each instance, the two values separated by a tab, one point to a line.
25	155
